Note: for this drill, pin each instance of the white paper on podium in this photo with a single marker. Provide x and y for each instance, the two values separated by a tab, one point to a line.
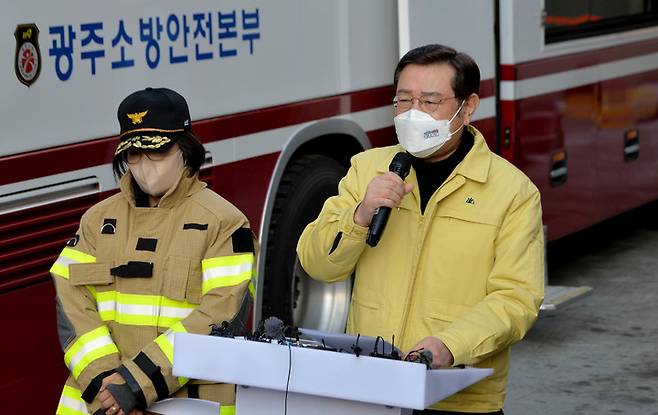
317	372
184	406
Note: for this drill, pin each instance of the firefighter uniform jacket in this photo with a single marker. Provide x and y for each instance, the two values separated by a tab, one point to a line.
469	270
133	276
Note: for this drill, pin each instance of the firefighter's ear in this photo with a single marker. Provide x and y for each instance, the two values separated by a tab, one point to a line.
471	104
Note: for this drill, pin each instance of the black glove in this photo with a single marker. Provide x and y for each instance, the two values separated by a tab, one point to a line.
123	395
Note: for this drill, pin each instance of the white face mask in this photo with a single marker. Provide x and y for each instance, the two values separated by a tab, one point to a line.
156	177
420	134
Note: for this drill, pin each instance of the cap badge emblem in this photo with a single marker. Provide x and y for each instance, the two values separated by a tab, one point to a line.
137	117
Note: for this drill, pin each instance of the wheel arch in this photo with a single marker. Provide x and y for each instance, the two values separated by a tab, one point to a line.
318	138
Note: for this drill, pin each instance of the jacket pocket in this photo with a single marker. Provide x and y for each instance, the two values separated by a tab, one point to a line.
97	273
364	316
359	302
182	279
471	235
440	315
472	216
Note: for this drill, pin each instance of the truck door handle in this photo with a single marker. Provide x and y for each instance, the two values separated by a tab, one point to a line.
631	145
557	173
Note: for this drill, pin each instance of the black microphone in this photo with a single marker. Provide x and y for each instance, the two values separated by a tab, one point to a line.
400	165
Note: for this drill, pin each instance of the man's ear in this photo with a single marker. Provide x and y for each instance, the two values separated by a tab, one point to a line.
470	106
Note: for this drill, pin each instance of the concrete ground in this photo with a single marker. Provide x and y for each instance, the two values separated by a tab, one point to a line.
599	354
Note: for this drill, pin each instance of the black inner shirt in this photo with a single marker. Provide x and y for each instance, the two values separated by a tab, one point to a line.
431	175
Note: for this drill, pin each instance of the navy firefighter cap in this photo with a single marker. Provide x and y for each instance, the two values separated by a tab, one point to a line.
152	119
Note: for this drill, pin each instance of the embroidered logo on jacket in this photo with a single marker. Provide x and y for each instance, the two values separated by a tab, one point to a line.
109	226
73	241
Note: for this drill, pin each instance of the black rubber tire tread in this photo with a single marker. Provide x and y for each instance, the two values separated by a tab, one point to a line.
307	182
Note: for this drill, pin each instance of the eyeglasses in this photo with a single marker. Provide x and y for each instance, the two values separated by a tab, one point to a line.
426	104
132	156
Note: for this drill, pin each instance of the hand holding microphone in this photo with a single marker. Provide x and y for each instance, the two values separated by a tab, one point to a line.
383	193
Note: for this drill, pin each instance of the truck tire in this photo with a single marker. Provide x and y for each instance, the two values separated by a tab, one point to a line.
289	293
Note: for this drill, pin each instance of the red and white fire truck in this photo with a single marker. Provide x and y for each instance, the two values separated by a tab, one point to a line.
282	94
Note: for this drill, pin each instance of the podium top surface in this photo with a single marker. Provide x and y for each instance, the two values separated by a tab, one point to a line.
317	372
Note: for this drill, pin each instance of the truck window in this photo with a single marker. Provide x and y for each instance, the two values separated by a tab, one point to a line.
575	19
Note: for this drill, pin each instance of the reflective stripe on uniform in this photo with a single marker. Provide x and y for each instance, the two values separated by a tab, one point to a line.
71	403
165	342
252	289
67	257
140	309
87	348
227	410
253	283
226	271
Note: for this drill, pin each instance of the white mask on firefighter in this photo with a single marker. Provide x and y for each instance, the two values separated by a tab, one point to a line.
156	177
420	134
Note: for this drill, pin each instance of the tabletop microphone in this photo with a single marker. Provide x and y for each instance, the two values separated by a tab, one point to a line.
273	328
400	165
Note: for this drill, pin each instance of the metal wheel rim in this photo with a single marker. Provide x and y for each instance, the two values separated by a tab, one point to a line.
319	305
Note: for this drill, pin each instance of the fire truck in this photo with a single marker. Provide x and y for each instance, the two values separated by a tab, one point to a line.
282	94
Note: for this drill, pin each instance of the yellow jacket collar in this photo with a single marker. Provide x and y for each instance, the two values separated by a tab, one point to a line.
186	185
475	165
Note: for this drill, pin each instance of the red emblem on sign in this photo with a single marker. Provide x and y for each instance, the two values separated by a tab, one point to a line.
27	62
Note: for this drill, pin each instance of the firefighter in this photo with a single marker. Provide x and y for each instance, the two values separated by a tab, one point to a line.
459	268
165	255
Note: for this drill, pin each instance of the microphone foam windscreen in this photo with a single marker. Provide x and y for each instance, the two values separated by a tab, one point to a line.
273	328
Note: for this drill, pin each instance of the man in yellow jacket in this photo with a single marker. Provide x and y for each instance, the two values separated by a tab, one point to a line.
459	268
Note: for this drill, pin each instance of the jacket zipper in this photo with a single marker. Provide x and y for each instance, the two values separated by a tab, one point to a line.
420	243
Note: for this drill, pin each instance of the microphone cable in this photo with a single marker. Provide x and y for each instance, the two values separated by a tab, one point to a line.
285	401
355	347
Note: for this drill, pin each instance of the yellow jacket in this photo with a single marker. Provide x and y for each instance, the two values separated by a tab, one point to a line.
468	271
132	277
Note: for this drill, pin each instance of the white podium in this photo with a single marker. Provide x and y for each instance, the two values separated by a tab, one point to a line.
272	378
